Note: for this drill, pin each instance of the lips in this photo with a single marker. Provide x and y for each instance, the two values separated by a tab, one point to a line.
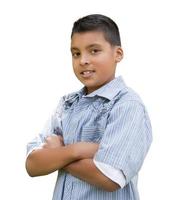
87	73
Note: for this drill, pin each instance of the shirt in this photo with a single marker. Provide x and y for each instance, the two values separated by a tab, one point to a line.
116	175
113	116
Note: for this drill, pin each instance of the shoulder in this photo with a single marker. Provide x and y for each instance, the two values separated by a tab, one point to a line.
130	106
128	97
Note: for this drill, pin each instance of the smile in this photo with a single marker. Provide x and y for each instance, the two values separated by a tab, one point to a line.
87	73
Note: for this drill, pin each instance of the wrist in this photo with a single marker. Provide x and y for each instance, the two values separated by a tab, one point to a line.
74	151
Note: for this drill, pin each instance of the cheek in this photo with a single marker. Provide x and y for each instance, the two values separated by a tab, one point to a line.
103	64
101	61
74	64
74	70
105	59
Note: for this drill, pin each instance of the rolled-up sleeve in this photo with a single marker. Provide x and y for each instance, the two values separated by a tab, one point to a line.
126	139
52	126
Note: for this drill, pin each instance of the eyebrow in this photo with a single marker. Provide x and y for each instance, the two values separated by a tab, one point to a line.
88	47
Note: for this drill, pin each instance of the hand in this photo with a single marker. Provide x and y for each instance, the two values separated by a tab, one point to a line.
53	141
85	149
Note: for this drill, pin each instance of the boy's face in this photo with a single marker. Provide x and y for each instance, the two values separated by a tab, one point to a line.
94	59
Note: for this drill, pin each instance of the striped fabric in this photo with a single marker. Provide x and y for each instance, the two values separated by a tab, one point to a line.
113	116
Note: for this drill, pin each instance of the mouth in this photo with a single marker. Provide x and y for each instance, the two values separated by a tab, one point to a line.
87	73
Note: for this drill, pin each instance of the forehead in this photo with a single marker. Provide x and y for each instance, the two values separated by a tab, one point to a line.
83	40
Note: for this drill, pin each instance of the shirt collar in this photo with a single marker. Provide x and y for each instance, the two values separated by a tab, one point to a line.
109	90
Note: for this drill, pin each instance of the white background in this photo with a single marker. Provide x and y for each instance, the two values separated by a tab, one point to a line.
36	70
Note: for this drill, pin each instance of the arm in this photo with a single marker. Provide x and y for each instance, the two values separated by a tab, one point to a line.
81	169
54	155
47	160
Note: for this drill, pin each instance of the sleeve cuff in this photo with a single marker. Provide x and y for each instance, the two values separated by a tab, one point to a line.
112	173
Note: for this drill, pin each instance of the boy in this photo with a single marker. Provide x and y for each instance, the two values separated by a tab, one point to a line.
98	137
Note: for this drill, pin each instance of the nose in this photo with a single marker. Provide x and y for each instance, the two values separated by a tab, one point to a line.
84	60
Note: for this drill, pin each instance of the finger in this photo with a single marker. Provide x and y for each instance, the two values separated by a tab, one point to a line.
60	137
47	139
50	137
44	145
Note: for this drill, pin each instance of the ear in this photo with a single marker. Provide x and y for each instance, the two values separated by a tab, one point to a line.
118	54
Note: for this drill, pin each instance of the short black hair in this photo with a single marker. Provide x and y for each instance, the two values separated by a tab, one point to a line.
98	22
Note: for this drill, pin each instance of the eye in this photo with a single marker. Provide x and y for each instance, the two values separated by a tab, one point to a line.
75	54
95	51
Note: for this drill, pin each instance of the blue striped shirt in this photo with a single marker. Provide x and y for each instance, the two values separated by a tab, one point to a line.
113	116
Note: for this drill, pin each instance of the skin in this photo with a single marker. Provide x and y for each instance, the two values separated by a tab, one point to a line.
90	51
54	155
